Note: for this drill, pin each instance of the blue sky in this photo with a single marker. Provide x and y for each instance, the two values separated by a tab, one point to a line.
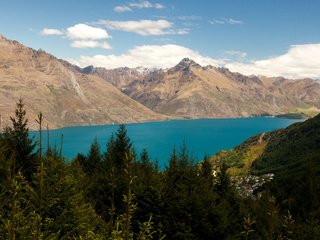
268	37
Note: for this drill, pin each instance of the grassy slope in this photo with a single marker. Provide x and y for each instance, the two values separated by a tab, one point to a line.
278	151
291	149
293	155
241	158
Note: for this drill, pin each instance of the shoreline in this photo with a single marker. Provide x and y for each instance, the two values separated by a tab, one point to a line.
167	120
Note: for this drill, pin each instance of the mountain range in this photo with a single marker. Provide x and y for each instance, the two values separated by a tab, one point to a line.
189	90
69	95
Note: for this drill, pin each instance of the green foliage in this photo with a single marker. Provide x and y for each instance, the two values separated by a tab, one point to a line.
223	185
93	159
19	147
65	209
292	154
287	227
18	220
119	148
248	227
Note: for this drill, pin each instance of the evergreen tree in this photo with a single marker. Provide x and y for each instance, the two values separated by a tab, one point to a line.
65	210
146	162
147	189
18	144
108	183
93	159
228	205
94	156
119	147
18	220
185	159
223	186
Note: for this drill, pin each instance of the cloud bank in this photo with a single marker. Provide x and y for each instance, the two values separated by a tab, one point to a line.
151	56
144	27
89	44
138	5
301	61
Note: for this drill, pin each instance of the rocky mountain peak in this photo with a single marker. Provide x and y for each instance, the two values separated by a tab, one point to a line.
87	70
188	62
184	65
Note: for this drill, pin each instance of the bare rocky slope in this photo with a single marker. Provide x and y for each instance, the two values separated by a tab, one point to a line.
192	91
64	95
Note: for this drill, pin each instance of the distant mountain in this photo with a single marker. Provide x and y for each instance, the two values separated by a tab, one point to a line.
192	91
62	93
119	77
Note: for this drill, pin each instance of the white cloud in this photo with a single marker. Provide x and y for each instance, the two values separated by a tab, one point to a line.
189	18
233	21
141	4
158	6
138	5
122	8
225	21
146	4
152	56
89	44
215	21
236	53
83	31
301	61
144	27
51	32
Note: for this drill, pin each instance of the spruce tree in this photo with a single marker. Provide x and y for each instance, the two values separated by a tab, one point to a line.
19	145
90	162
122	146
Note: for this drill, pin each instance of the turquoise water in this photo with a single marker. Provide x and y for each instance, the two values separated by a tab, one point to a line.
202	136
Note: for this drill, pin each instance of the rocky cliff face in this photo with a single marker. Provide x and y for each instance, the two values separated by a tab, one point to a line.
63	94
192	91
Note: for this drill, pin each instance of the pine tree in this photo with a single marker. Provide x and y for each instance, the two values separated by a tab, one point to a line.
93	159
145	161
19	146
223	185
123	147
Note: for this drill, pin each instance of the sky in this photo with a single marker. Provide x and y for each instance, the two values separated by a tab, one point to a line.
261	37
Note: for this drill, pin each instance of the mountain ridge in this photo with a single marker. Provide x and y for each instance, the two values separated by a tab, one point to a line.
189	90
65	96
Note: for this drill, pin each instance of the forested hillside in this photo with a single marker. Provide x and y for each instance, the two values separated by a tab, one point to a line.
112	193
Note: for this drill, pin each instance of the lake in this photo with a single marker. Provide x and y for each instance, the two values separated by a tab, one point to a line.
202	136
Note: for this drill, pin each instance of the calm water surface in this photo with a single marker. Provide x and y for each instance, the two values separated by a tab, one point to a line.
202	136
